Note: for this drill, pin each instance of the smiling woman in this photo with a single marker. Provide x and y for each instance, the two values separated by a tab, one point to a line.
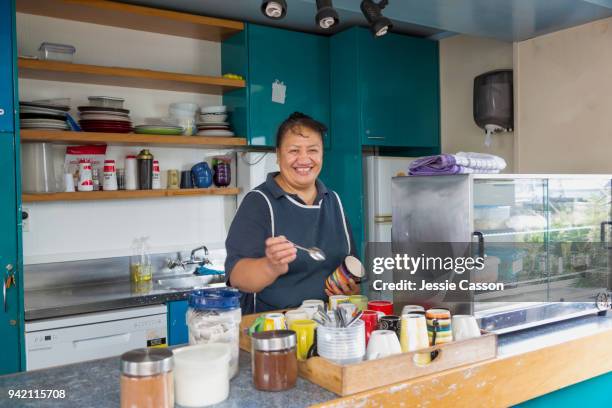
292	206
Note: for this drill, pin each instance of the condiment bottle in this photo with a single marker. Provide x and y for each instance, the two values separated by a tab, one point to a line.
274	360
145	170
156	181
85	176
140	262
147	380
131	173
110	175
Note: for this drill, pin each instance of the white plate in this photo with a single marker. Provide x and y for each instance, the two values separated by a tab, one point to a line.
215	133
44	127
87	116
101	112
33	109
42	122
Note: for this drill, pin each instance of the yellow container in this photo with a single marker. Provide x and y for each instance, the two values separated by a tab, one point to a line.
304	331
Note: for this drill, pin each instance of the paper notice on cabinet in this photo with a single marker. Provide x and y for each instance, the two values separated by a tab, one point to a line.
279	89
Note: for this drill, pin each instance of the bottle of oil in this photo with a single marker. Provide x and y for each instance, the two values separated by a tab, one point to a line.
145	170
140	261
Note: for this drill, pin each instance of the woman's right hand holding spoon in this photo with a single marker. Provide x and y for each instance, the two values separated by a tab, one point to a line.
279	254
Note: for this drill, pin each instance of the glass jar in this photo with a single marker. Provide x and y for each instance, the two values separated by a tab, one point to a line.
214	316
146	378
274	360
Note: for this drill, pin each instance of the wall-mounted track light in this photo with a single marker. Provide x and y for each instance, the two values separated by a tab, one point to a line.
326	17
274	9
372	11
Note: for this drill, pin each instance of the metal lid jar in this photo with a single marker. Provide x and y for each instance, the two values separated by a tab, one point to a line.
147	379
214	316
274	360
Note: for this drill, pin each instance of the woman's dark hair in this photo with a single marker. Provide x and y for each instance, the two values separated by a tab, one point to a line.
297	120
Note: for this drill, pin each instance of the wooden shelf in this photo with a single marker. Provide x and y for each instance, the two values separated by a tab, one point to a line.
127	194
126	77
122	15
129	139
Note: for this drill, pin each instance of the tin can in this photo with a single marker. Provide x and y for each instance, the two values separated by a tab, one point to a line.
85	176
110	176
156	182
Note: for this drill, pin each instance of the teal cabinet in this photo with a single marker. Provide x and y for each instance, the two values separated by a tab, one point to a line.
177	324
11	304
299	62
6	67
395	100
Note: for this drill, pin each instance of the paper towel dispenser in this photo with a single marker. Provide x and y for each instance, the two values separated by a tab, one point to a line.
494	102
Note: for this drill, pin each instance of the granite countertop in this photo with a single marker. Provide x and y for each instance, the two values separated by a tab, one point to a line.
70	300
96	383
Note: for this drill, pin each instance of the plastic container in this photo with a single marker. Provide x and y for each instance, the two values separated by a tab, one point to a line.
342	345
214	316
56	52
106	101
37	171
274	360
201	374
147	378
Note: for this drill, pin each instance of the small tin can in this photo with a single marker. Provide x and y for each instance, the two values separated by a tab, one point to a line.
110	176
85	176
156	179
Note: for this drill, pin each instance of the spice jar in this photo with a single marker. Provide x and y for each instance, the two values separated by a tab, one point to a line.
214	316
274	360
146	378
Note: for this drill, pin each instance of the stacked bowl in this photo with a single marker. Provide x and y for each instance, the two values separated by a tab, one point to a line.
213	122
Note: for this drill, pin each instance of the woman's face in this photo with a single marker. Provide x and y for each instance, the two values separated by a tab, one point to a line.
300	156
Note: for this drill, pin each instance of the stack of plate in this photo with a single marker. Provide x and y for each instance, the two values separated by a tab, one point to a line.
158	130
213	122
42	116
105	119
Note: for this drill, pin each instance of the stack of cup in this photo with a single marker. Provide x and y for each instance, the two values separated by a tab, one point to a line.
342	345
295	314
383	306
439	327
370	319
382	343
310	306
465	327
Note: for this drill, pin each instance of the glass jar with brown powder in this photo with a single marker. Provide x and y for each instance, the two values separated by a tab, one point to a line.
274	360
146	378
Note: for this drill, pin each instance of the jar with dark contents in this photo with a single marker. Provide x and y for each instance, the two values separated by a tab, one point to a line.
146	378
274	360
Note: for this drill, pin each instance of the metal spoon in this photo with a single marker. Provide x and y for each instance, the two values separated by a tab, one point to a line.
315	253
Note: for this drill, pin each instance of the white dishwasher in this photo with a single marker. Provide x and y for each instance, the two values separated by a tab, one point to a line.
66	340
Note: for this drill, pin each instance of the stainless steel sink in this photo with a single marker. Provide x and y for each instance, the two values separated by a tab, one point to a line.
188	282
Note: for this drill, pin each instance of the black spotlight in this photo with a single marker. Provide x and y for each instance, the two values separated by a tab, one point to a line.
372	11
326	17
274	9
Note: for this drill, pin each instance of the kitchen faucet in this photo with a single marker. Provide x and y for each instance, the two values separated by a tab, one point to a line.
193	260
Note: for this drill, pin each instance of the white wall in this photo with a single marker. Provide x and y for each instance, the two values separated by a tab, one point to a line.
564	88
461	59
61	231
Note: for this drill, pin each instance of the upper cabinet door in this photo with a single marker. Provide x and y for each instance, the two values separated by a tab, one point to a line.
6	67
399	90
300	64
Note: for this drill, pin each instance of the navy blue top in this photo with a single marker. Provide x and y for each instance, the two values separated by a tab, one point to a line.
268	211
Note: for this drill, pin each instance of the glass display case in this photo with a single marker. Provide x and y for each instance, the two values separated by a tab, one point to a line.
546	238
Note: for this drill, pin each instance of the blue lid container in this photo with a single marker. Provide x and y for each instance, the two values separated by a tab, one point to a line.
214	299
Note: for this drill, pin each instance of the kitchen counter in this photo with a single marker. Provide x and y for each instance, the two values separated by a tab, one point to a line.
70	300
530	363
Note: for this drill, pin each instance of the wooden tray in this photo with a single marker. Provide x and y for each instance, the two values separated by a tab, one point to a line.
350	379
